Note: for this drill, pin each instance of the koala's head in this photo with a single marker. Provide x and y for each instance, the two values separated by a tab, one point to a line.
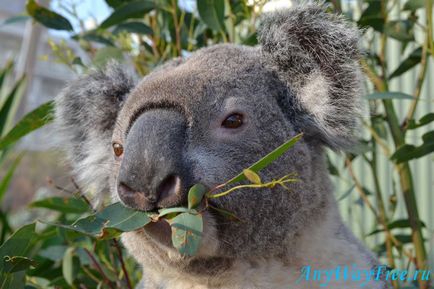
205	118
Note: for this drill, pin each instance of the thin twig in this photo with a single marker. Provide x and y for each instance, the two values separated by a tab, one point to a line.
99	269
121	259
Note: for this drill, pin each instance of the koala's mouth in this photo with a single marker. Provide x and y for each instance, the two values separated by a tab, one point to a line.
160	232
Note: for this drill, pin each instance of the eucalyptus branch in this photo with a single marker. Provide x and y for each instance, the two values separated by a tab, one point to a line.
282	182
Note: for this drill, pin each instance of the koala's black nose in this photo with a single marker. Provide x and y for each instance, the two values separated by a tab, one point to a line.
153	173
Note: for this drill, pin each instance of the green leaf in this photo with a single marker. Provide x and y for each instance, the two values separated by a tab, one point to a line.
18	244
413	5
372	17
47	17
346	193
13	96
187	233
15	19
269	158
212	12
116	3
105	54
136	9
30	122
93	36
195	195
110	222
409	152
5	71
133	27
70	266
388	95
62	204
252	176
400	30
4	184
168	211
426	119
17	263
411	61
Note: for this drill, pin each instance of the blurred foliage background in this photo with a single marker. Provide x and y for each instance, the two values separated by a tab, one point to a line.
384	186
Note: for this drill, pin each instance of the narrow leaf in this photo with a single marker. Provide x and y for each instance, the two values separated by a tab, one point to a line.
62	204
411	61
413	5
195	195
70	266
426	119
212	13
134	27
136	9
13	96
5	182
409	152
269	158
109	223
15	19
388	95
47	17
30	122
252	176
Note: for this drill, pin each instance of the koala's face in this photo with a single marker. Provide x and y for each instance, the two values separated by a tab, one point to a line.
206	118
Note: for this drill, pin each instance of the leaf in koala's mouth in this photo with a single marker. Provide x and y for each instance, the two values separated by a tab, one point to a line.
110	222
187	233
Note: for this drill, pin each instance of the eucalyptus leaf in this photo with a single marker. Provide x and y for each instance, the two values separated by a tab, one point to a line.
13	97
187	233
133	27
17	263
15	19
47	17
411	61
195	195
212	12
110	222
413	5
268	159
400	30
19	244
30	122
426	119
62	204
252	176
70	266
135	9
409	152
7	178
388	95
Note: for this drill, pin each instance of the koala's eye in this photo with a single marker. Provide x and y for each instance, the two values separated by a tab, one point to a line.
233	121
118	149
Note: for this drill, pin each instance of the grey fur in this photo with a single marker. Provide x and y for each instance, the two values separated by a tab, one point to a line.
306	57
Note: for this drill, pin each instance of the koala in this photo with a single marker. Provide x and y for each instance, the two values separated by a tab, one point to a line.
206	117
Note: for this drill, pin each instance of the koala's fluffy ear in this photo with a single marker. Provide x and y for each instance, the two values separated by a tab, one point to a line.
86	112
316	54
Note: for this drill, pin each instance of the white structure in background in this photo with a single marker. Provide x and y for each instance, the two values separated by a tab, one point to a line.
25	43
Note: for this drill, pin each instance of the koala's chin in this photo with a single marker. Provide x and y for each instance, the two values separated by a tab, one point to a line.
205	118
